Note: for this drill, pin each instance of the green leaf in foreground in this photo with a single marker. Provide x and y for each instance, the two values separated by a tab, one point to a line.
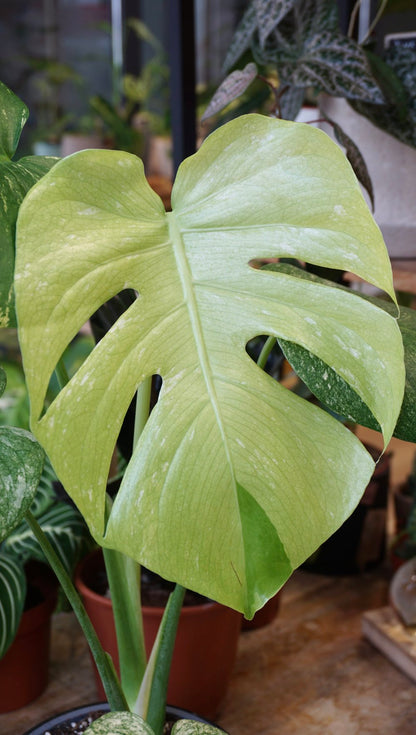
119	723
16	178
234	480
334	392
21	463
191	727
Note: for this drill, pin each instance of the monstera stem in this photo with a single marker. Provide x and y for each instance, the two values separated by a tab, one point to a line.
265	352
123	575
151	700
111	684
61	374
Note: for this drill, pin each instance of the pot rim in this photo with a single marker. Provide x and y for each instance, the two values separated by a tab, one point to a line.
83	710
85	590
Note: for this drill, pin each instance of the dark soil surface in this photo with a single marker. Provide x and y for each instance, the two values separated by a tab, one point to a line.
77	727
154	590
74	727
34	597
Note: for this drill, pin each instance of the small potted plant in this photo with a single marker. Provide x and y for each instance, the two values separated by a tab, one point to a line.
28	589
227	458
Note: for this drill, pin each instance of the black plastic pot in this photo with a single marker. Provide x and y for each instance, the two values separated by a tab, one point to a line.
78	714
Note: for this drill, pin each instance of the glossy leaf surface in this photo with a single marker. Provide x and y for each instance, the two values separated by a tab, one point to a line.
234	481
12	598
16	178
21	463
335	393
64	529
119	723
191	727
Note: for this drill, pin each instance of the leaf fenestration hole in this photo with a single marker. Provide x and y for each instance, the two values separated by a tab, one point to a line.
84	342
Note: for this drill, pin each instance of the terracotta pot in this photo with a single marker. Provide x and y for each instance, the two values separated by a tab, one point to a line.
205	647
89	712
265	615
24	667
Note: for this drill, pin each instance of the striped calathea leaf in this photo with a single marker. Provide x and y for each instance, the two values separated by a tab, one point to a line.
16	178
12	599
21	463
64	528
234	480
27	483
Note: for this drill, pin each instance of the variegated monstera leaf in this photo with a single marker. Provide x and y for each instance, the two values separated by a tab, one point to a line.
234	480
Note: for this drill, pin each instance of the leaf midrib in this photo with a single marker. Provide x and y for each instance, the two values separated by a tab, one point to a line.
186	279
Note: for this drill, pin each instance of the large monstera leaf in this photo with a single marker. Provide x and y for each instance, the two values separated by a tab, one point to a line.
234	480
16	178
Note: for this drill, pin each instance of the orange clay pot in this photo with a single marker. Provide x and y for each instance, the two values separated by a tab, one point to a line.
205	646
24	667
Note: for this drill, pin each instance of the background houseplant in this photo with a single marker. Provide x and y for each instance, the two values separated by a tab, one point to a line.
299	50
302	42
138	115
28	593
199	450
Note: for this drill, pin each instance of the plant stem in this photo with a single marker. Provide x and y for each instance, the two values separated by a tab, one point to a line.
265	352
353	18
142	408
151	703
111	684
376	20
123	576
61	374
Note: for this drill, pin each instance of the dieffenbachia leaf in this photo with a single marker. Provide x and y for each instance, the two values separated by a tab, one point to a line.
21	463
192	727
12	599
16	178
234	480
119	723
